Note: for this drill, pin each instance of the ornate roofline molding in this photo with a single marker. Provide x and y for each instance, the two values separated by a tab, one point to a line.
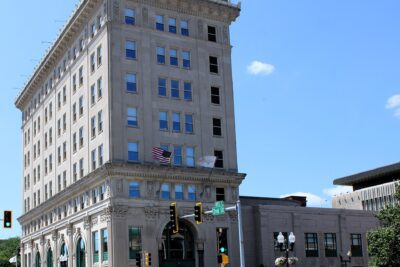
78	17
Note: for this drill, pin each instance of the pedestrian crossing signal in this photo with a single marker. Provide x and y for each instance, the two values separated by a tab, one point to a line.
7	219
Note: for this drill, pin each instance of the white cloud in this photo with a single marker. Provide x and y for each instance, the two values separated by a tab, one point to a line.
393	102
397	113
337	190
312	200
260	68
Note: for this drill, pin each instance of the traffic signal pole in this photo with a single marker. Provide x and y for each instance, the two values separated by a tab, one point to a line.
240	225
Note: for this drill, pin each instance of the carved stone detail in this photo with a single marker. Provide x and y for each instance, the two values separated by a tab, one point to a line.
208	218
150	189
200	28
69	230
118	211
225	35
235	193
54	235
42	240
116	10
151	213
95	221
145	14
86	222
233	216
120	186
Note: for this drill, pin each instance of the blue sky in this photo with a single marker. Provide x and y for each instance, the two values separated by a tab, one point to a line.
317	109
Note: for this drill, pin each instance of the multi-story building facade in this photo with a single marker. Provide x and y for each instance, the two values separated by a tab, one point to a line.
372	190
123	77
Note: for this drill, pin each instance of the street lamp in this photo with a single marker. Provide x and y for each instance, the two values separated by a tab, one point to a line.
286	246
343	261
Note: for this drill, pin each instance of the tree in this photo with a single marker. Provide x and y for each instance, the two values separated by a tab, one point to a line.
384	242
8	250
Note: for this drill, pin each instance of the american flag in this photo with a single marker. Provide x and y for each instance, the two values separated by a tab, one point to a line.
161	155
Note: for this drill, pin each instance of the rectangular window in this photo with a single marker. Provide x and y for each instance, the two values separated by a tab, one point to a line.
187	91
129	16
163	119
99	56
133	154
192	192
174	88
92	62
50	163
64	95
131	83
59	127
93	29
95	239
184	27
64	179
311	244
104	245
93	127
75	172
215	97
177	155
213	64
212	34
74	144
99	88
179	192
186	59
135	242
59	100
93	159
219	163
74	112
134	189
220	194
100	152
93	94
165	193
217	127
64	151
176	122
81	170
190	156
172	25
162	87
80	76
160	23
81	106
356	245
173	57
130	50
100	121
132	117
161	55
74	83
330	245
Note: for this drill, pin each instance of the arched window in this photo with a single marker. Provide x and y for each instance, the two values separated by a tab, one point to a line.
80	253
63	256
49	258
37	260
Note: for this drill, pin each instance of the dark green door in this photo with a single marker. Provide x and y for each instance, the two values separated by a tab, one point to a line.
177	249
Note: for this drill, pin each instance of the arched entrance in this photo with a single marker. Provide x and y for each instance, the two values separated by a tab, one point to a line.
63	255
49	258
177	249
80	253
37	260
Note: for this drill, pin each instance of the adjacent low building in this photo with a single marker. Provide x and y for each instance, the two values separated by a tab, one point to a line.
372	190
322	234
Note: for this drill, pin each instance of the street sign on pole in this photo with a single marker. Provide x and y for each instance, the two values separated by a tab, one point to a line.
219	208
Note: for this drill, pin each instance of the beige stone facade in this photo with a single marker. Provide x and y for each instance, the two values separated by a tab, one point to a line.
94	109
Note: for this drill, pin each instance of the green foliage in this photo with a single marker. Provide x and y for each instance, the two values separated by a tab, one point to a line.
384	242
8	250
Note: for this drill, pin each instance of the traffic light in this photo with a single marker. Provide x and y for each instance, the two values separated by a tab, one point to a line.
138	259
173	212
198	213
223	259
7	219
147	259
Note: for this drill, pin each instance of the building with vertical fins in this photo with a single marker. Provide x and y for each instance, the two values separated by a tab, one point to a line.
124	77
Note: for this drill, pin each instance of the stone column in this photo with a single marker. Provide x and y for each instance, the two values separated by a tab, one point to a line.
55	246
23	263
89	254
70	246
41	249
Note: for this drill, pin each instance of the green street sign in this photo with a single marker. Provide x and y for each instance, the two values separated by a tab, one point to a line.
219	208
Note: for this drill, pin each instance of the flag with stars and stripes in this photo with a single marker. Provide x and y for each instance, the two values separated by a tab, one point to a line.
161	155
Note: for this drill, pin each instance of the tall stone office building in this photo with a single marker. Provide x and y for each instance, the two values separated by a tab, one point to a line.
122	77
